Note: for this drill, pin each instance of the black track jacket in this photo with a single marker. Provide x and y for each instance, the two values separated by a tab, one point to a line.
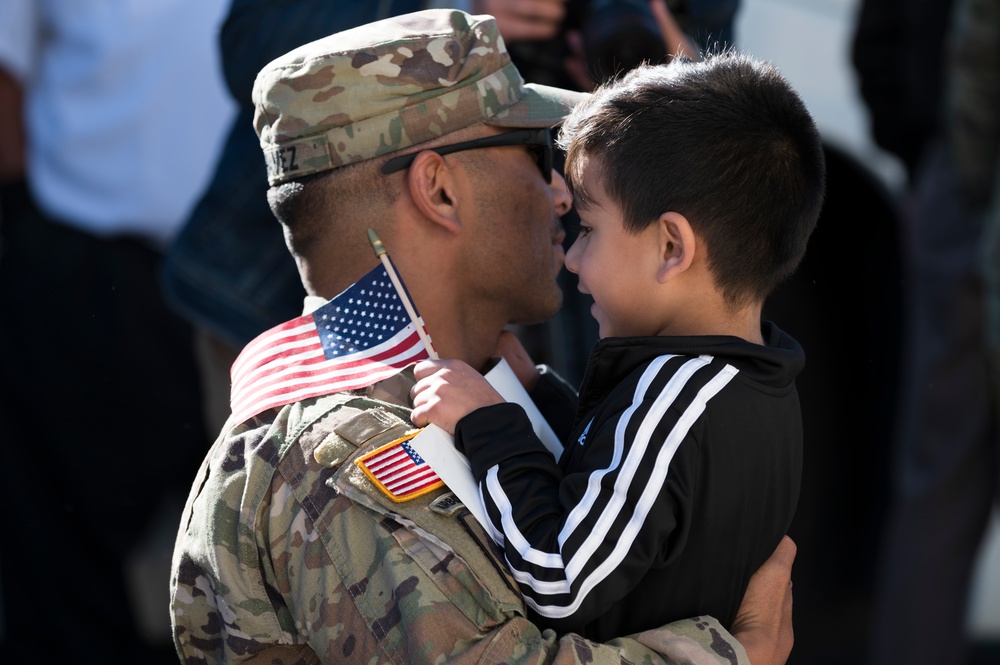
679	478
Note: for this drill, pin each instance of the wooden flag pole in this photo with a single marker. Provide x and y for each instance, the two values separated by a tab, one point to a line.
383	256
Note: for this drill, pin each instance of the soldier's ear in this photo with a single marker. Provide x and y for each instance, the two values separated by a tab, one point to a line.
433	189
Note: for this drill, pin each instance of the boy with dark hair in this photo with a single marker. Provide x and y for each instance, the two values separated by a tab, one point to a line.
698	185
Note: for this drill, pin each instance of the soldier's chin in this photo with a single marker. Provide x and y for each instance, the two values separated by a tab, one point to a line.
554	305
543	310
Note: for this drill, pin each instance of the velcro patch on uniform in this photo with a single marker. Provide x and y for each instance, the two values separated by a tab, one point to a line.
366	425
398	471
446	504
333	450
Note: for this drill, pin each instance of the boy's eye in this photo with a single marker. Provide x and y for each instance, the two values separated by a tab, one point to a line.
578	227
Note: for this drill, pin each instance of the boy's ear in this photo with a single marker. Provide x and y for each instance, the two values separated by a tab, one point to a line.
677	245
432	188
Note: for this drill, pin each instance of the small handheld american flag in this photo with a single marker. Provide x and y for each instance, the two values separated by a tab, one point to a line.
360	337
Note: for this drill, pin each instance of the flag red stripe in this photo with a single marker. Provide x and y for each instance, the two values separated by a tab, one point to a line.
305	347
286	331
287	370
403	475
411	476
289	394
341	372
330	375
390	456
430	481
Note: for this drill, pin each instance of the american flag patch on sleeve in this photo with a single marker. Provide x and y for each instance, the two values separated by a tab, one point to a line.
398	471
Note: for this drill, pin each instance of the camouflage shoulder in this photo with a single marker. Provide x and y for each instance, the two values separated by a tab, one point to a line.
291	420
220	602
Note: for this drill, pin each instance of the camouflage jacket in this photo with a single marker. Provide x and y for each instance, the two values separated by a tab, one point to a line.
288	553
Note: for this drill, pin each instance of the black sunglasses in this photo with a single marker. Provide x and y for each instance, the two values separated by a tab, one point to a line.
538	141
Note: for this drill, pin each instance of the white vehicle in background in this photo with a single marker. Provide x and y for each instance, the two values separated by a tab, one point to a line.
810	42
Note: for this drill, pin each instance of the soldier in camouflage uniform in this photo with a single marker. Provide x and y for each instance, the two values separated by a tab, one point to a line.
287	551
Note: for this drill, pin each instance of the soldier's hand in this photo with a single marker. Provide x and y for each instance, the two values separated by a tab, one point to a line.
509	348
763	624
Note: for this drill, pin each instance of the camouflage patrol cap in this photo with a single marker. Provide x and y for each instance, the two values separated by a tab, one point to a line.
388	85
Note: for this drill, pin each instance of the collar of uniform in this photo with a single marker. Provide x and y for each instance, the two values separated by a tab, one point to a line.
311	303
394	390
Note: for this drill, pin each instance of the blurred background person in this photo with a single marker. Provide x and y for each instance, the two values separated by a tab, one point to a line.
930	72
897	52
873	73
112	114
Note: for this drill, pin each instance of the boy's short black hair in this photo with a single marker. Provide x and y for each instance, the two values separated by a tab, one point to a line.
724	141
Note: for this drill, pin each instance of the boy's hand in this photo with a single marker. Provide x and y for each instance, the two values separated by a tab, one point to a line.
446	391
509	347
763	624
